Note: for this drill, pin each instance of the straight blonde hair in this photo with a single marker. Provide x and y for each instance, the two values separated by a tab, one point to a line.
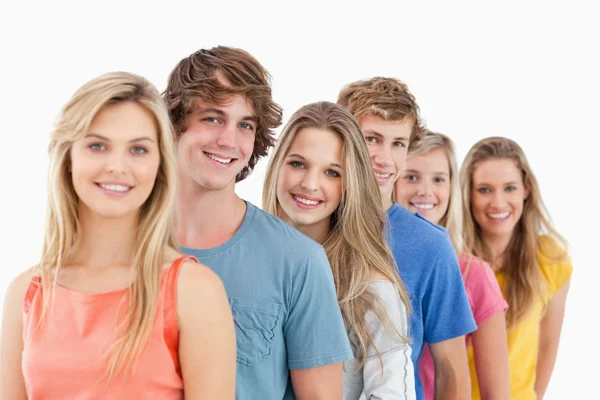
356	245
154	233
524	279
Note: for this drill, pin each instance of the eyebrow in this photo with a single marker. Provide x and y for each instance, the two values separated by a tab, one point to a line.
222	113
505	184
372	132
299	156
414	171
139	139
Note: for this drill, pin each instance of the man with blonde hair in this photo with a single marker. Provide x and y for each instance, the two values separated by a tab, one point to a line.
389	118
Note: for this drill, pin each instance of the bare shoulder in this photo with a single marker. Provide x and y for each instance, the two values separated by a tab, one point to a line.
375	275
198	281
15	292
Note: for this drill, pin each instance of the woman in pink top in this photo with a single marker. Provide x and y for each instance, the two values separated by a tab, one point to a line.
429	186
113	310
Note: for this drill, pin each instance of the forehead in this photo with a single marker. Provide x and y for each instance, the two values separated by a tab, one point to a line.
496	171
393	129
125	120
317	145
432	161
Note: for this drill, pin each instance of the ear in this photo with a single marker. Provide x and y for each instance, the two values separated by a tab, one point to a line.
526	195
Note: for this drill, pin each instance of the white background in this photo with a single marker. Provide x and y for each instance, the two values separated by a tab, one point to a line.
524	70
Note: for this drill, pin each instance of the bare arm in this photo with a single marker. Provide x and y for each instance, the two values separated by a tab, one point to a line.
490	348
207	348
320	383
12	385
550	329
452	380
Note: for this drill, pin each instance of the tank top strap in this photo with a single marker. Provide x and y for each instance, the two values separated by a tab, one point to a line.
171	330
32	289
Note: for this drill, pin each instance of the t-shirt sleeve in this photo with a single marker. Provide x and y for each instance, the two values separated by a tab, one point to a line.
554	263
483	291
446	310
314	330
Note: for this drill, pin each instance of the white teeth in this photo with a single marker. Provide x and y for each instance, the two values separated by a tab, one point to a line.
115	188
306	201
382	176
423	206
500	215
218	159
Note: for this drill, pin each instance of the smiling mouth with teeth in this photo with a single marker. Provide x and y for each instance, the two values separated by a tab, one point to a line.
306	201
219	159
422	206
503	215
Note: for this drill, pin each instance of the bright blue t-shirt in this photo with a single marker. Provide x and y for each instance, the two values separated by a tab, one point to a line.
429	268
282	295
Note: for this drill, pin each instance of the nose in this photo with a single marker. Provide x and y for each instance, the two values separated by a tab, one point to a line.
117	163
310	181
227	137
498	199
383	157
424	188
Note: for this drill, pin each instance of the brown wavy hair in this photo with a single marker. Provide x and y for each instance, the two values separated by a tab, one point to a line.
194	78
387	98
356	244
524	279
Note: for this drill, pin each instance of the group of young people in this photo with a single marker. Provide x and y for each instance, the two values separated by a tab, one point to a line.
374	268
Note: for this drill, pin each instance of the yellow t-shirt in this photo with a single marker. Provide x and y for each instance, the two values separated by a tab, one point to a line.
523	339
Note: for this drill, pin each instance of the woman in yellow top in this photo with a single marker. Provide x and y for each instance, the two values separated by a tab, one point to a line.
506	224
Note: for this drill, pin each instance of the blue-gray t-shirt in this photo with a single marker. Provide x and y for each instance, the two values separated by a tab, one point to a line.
282	295
429	268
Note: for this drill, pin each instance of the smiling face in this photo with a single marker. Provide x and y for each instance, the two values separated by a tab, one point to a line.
114	166
218	141
497	197
309	185
387	142
424	186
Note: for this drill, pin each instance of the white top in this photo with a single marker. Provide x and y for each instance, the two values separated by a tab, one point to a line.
398	379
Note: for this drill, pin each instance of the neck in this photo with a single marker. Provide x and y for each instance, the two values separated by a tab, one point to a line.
386	200
206	218
497	245
104	241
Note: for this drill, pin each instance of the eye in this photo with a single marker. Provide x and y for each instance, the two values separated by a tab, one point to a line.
483	190
97	146
211	120
247	126
332	173
139	150
399	144
439	179
511	188
370	139
411	178
296	164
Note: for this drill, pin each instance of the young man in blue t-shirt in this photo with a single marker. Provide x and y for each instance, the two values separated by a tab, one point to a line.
388	116
291	340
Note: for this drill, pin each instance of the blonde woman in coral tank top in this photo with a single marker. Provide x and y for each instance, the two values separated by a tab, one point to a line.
113	310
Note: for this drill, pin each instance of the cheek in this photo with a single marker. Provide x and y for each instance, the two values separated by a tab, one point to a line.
405	191
284	181
334	192
247	144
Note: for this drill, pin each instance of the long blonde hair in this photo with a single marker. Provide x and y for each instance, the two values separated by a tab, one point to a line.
452	218
524	280
356	245
154	233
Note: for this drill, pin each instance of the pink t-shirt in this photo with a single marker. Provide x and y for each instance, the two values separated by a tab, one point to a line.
485	298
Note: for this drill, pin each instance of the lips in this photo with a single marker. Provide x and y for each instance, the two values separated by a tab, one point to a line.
220	158
423	206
